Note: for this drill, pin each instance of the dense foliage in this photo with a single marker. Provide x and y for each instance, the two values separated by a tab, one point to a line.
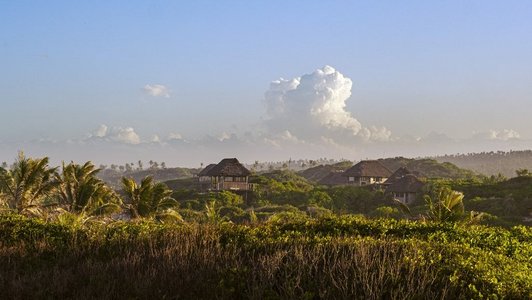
332	257
504	202
26	184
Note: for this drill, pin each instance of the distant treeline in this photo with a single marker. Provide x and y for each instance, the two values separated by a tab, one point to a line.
492	163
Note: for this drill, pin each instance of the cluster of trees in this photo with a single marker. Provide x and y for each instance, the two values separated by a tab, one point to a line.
139	166
294	165
127	167
492	163
30	186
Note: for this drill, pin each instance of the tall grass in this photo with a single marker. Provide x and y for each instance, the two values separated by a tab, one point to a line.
148	261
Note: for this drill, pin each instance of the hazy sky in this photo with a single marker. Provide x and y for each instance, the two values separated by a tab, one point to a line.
118	81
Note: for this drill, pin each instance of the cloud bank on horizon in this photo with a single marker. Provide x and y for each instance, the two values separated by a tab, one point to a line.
305	117
503	135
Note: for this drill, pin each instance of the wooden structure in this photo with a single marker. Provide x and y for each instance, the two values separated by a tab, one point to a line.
367	172
228	174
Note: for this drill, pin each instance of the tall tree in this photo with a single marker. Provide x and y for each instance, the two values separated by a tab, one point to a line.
149	199
27	183
80	191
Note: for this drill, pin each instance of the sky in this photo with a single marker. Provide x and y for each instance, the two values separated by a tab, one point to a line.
187	82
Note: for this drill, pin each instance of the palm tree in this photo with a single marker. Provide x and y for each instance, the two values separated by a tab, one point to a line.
149	199
445	204
80	191
212	212
27	183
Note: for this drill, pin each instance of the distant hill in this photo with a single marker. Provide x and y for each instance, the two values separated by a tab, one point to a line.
113	177
427	167
492	163
189	183
317	173
424	167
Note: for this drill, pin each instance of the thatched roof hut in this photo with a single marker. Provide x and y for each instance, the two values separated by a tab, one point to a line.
206	170
398	174
228	167
406	184
368	168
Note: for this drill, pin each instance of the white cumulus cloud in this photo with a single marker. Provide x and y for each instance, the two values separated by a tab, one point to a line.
157	90
314	105
125	135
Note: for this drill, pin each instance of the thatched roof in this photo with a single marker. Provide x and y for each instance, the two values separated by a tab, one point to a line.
333	178
406	184
228	167
368	168
398	174
206	170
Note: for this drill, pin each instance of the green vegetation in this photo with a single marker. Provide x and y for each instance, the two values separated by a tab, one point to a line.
80	191
333	257
503	202
445	205
288	238
26	184
149	199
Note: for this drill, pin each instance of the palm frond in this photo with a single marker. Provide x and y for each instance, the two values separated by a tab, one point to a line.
169	216
403	207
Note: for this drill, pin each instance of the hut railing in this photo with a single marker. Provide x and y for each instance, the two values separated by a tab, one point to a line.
243	186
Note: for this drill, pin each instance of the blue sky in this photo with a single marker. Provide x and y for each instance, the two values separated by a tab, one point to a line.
458	68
